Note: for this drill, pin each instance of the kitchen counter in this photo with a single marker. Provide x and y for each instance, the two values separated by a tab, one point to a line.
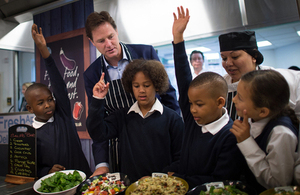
9	188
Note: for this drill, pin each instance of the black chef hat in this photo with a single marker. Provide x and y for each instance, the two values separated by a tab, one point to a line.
244	40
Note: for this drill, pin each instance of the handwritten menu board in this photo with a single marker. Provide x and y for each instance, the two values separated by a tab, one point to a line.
22	151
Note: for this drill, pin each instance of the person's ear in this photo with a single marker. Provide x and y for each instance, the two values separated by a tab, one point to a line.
221	102
264	112
29	108
253	60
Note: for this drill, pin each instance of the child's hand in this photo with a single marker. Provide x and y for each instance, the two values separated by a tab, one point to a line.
100	171
170	173
40	40
179	24
57	167
37	36
100	89
241	129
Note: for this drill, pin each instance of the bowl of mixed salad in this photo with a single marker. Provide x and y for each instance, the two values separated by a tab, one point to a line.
105	184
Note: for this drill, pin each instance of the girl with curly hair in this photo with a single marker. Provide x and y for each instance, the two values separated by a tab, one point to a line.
149	133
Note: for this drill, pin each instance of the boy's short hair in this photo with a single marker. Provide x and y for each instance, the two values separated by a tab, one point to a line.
152	69
214	82
32	87
95	19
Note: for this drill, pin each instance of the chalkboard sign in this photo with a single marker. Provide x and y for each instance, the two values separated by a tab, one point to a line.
22	151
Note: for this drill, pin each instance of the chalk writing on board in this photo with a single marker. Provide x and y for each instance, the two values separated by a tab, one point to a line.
22	151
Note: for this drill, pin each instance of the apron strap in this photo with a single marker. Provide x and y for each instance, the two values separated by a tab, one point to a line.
230	105
117	98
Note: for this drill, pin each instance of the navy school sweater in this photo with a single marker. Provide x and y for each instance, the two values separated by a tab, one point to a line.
145	145
204	157
58	141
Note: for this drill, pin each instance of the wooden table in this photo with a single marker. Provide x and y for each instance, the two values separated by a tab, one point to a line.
9	188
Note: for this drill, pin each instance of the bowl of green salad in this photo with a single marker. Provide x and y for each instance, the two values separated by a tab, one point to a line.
227	187
59	183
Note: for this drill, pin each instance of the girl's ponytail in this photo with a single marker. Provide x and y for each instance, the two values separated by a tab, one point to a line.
288	111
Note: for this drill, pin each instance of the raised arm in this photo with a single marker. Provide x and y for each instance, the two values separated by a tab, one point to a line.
182	67
58	84
180	24
40	41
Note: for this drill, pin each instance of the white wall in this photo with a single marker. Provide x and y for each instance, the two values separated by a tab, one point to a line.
283	57
26	72
288	56
6	27
150	22
6	79
19	38
269	59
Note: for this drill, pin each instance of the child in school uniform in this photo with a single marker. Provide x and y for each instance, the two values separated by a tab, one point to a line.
209	151
58	144
269	141
149	133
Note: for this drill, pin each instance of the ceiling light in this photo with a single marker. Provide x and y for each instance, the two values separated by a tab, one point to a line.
202	49
298	32
263	43
212	56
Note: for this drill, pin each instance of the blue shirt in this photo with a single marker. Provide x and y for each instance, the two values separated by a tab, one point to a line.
116	72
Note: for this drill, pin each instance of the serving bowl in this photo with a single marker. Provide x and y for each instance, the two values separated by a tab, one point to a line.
272	191
238	184
122	177
70	191
134	185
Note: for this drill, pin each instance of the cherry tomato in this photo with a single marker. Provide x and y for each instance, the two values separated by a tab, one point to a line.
104	178
104	193
112	191
118	182
91	188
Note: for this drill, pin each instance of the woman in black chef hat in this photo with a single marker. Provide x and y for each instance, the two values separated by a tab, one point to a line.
239	53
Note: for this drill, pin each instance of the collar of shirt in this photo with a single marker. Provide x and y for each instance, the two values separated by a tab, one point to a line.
194	74
36	124
217	125
257	127
233	86
157	106
116	72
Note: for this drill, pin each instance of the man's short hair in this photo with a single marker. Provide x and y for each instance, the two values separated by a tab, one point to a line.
95	19
196	51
